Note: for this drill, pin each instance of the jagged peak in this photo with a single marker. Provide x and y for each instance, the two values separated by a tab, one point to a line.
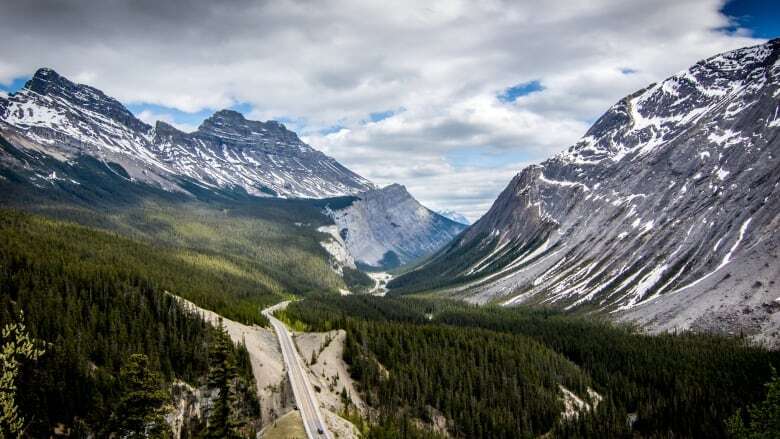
162	128
395	187
230	117
46	79
47	82
228	114
162	125
232	126
654	114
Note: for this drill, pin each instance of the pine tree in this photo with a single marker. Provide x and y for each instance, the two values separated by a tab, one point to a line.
764	416
17	347
141	410
224	421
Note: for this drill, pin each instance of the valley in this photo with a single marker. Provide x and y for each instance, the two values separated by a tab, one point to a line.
227	279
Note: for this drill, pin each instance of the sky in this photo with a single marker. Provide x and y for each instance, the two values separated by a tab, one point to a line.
449	98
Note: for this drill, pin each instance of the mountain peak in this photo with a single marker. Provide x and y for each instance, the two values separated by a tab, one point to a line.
651	117
395	187
454	216
232	126
48	83
663	210
46	80
228	114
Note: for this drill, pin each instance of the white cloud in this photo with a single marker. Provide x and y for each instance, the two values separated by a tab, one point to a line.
334	63
151	117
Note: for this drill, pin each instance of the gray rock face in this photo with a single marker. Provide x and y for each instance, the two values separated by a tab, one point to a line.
665	212
55	116
385	228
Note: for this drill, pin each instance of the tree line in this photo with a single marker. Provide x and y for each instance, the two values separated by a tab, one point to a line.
99	306
403	350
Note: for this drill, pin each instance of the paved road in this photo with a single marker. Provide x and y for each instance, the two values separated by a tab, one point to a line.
302	389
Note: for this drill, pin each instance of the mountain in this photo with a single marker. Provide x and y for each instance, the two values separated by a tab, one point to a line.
71	143
665	212
385	228
455	216
65	120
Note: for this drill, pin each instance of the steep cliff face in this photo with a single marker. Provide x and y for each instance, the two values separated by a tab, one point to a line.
56	117
664	212
386	228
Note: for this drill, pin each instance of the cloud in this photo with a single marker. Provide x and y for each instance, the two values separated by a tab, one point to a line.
408	85
151	118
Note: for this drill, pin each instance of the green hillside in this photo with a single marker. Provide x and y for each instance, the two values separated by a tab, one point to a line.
93	299
493	372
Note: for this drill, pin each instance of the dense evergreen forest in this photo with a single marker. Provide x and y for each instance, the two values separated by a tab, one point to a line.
494	372
257	239
94	300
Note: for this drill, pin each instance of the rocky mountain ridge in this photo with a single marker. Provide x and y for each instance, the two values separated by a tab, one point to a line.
64	120
665	212
72	141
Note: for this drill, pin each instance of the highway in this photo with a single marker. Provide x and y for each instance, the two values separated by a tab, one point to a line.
307	403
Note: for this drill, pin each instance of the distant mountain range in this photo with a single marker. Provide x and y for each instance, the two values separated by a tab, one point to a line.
455	216
665	212
72	142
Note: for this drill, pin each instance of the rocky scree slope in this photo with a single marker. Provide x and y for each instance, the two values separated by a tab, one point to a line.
385	228
665	212
64	120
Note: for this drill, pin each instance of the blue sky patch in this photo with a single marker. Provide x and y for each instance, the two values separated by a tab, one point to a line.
523	89
380	115
176	116
628	71
486	158
762	17
179	117
15	85
331	129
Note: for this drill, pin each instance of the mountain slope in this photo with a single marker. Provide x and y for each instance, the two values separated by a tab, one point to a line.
65	120
385	228
67	147
664	212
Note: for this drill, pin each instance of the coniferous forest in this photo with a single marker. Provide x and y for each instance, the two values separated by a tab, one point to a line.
96	305
497	372
99	306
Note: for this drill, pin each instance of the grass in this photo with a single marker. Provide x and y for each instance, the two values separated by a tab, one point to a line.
289	426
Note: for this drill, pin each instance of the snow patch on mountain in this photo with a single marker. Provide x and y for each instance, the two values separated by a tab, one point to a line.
226	152
455	216
664	212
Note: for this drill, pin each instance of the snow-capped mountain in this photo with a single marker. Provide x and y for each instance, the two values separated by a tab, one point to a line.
455	216
665	212
384	228
64	120
71	141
